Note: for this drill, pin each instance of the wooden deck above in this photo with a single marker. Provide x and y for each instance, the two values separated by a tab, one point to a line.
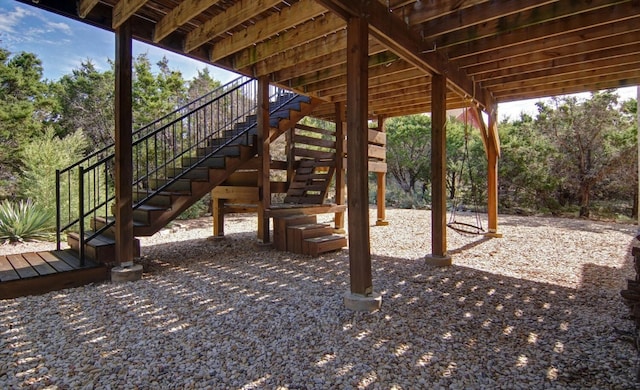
490	51
40	272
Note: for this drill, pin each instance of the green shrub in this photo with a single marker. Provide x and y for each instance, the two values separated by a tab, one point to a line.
24	221
198	209
40	159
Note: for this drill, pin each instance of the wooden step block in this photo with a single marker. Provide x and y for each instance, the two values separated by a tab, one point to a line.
297	233
99	222
102	249
318	245
280	225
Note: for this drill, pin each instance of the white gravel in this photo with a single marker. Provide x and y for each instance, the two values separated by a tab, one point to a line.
536	309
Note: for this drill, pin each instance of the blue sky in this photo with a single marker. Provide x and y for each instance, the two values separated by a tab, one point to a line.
62	44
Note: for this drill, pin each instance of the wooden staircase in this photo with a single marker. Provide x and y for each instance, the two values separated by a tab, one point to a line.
312	163
196	175
304	235
311	181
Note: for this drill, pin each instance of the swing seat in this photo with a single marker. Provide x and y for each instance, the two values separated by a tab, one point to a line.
465	228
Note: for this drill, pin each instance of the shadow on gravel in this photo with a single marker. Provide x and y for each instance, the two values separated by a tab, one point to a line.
221	314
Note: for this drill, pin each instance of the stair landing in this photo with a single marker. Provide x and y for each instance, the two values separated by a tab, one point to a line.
40	272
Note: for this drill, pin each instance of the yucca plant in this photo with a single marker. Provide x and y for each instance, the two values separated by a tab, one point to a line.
24	221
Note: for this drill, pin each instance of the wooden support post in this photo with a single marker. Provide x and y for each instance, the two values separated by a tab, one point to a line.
123	145
492	175
382	186
217	212
291	155
357	167
439	254
264	180
637	201
340	168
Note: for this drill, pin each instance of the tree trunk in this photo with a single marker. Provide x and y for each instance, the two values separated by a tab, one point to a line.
452	188
585	198
634	208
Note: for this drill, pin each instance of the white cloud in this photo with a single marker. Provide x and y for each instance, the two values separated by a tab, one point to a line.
9	20
61	26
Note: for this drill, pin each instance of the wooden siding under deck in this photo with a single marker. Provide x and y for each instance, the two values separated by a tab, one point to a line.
40	272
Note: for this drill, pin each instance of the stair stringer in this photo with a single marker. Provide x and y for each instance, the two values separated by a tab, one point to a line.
179	203
295	116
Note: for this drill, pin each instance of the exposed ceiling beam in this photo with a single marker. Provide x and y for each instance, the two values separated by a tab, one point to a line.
323	68
185	11
479	14
85	6
383	91
583	77
568	64
377	76
387	84
551	18
289	17
434	9
325	25
546	34
518	57
325	45
592	83
394	33
230	18
123	10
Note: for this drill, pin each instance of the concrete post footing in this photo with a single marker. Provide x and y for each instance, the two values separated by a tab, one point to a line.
358	302
127	273
439	261
493	234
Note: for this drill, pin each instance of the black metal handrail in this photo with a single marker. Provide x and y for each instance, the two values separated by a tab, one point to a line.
158	152
99	165
228	141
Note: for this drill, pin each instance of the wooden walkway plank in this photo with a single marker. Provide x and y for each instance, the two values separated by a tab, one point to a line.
55	262
41	272
68	258
39	264
22	266
6	270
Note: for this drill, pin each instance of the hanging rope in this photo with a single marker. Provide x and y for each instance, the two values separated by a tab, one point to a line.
462	227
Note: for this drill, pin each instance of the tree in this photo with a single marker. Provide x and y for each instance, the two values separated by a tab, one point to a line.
201	84
86	102
155	96
526	178
23	107
592	138
466	162
409	150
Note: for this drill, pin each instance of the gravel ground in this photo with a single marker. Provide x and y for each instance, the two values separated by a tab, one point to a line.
537	309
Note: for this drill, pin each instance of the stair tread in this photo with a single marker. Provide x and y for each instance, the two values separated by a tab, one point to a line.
148	207
112	219
317	245
308	226
161	193
99	240
333	237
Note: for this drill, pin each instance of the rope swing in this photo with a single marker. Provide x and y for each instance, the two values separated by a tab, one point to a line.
454	224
